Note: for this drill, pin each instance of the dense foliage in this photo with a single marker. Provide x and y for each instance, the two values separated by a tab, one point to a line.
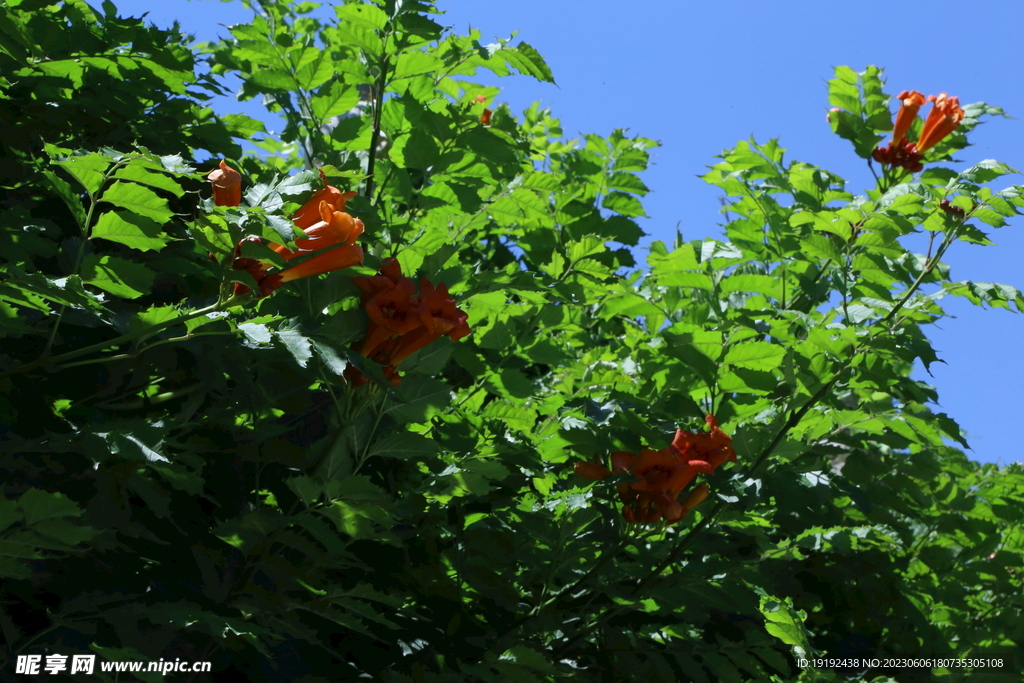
285	481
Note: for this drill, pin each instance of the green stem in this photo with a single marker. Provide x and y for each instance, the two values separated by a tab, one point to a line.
378	105
117	341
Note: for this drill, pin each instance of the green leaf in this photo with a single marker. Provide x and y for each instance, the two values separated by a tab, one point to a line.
338	99
755	355
10	512
256	332
242	126
316	72
419	398
516	417
64	191
140	174
365	16
330	357
528	61
297	344
272	80
851	127
138	199
786	623
987	170
762	284
87	170
404	446
821	246
131	230
64	532
38	505
118	276
623	204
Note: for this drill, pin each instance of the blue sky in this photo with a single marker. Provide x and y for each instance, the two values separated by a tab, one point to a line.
698	77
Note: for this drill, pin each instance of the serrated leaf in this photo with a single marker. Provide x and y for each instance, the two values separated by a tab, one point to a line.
87	170
256	332
118	276
131	230
339	99
528	61
69	197
755	355
404	446
364	15
272	80
39	505
298	344
138	199
139	174
987	170
418	398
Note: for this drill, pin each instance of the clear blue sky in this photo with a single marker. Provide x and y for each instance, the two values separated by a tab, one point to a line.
698	77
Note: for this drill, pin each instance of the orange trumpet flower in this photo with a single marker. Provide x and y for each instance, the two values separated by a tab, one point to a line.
335	227
663	474
345	256
911	102
942	120
310	211
402	322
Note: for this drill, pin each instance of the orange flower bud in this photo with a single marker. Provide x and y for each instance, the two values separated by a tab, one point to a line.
589	470
227	185
695	498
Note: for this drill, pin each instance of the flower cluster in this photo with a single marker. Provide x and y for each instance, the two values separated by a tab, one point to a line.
954	211
329	242
899	155
945	115
663	474
402	321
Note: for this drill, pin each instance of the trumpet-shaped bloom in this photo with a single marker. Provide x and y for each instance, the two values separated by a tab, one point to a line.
388	276
391	313
903	155
402	321
665	473
660	471
329	241
942	120
310	212
345	256
252	266
334	227
911	101
437	316
227	185
706	451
